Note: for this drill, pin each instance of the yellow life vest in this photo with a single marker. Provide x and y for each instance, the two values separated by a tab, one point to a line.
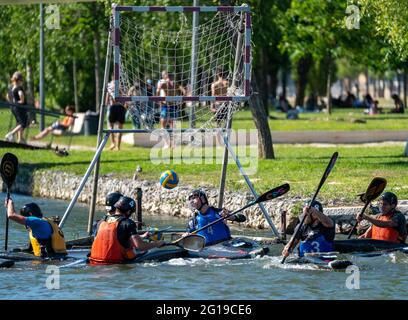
57	239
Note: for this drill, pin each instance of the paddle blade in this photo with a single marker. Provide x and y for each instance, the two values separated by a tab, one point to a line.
273	193
8	169
328	170
192	242
375	188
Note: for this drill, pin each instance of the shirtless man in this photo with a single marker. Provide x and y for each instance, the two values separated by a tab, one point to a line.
219	88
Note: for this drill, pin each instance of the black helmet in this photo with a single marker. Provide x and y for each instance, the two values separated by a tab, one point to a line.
317	205
111	199
125	204
32	208
389	197
200	193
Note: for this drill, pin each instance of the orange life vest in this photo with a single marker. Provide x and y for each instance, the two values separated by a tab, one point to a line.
106	248
386	234
66	122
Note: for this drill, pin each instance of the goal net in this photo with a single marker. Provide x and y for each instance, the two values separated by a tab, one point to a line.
167	67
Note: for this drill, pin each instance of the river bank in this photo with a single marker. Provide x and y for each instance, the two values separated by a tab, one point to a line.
157	201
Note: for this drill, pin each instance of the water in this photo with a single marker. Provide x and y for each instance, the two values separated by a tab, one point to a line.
384	277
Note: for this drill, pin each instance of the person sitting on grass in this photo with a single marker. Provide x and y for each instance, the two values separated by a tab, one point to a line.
58	125
205	214
317	232
46	238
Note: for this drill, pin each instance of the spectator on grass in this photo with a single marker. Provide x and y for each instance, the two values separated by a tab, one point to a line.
219	88
399	105
284	105
116	115
16	96
59	125
374	108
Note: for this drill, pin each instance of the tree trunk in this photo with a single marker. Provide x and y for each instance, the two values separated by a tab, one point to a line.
405	86
74	79
367	82
357	85
302	70
30	84
273	73
262	76
329	102
265	145
284	73
30	92
399	84
97	50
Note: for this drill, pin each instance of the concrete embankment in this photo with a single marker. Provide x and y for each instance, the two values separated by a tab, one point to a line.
159	201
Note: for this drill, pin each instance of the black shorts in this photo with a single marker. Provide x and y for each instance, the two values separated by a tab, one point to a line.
117	113
21	116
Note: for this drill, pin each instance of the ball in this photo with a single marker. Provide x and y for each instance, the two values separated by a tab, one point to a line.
154	235
169	179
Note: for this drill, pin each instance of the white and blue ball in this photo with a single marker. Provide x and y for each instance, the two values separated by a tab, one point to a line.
169	179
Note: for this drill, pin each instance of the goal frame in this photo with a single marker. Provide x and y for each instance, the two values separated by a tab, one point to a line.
116	13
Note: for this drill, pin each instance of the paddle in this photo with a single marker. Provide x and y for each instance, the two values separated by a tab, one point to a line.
375	188
322	180
269	195
8	171
191	242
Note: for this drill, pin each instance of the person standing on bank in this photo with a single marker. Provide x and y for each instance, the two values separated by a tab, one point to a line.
46	238
16	96
116	115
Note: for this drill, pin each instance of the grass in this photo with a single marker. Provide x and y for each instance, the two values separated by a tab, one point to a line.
300	166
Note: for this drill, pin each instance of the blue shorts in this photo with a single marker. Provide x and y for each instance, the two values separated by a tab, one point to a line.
168	112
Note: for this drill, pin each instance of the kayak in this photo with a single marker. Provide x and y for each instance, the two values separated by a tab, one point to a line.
329	261
237	248
4	263
365	245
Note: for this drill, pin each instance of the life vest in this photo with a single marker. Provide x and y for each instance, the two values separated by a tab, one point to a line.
215	233
106	248
318	244
387	234
66	122
56	243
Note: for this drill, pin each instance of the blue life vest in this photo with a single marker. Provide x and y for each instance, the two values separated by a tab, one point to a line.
319	244
215	233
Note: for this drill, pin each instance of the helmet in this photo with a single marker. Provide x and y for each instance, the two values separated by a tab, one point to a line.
389	197
200	193
32	208
111	199
125	204
317	205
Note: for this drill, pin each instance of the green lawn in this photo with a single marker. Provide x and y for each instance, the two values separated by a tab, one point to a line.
340	120
300	166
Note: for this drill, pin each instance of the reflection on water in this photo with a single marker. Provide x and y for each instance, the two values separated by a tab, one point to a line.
384	277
